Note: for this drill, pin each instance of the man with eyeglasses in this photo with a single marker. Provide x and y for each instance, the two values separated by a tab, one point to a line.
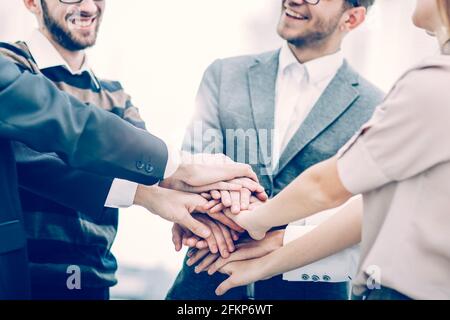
313	102
70	215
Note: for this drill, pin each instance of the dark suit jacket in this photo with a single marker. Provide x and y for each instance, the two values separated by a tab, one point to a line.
35	112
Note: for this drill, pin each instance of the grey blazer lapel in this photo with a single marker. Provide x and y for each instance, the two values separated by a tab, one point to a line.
338	96
262	82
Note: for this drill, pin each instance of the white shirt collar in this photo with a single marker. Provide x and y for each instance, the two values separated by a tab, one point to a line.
317	69
46	56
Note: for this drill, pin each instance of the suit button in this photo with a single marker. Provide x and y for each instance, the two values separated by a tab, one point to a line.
149	168
305	277
326	278
315	278
140	165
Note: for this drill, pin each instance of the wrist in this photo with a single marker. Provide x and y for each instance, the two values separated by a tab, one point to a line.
145	195
278	239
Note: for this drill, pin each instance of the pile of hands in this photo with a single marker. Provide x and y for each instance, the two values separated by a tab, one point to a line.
207	199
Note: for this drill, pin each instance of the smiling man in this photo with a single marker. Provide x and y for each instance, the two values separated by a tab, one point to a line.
311	102
77	231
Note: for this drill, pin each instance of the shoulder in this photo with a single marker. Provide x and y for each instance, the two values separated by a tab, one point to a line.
427	82
18	53
241	63
112	86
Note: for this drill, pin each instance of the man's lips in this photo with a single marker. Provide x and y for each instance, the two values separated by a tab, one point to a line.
82	22
295	15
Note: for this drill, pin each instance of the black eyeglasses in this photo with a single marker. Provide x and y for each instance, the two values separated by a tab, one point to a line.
355	3
76	1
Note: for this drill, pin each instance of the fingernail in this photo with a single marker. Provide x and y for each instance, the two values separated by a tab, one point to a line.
189	262
196	270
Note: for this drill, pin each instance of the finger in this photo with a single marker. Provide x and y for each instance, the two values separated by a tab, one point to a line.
195	226
192	242
220	264
235	201
262	196
218	208
215	194
250	184
206	263
191	252
223	219
201	245
226	198
234	170
227	236
197	256
211	204
245	199
219	239
177	237
234	235
216	186
206	195
224	287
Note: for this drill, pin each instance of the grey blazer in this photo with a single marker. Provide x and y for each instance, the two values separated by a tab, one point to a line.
239	93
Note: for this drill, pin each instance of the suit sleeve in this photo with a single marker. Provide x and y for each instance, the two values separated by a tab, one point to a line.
204	134
35	112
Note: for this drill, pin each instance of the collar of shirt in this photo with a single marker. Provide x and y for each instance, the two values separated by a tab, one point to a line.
315	70
46	56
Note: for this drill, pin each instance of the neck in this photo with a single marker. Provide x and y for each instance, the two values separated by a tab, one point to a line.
74	59
312	52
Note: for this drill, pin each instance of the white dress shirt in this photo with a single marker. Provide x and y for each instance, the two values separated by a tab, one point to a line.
122	192
298	89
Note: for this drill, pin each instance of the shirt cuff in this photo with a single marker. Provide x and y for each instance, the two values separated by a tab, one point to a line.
358	170
295	231
173	161
121	194
340	267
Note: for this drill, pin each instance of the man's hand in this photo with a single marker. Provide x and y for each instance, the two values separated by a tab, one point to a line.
221	240
206	171
241	273
174	206
245	250
235	200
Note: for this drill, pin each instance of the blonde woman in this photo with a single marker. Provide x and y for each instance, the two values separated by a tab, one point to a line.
400	163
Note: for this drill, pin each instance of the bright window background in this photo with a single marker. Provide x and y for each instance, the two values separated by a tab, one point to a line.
159	50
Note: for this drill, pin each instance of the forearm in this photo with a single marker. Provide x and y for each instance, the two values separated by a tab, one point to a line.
48	176
75	130
341	231
316	190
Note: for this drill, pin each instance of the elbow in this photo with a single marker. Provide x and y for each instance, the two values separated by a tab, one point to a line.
328	192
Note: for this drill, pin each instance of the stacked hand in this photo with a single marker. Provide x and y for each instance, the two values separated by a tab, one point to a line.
178	197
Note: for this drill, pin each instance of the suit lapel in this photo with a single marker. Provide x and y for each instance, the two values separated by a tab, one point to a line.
338	96
262	82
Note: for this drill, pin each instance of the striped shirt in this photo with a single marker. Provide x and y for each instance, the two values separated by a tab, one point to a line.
58	236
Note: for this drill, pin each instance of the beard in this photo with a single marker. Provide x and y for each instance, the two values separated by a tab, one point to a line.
62	35
320	32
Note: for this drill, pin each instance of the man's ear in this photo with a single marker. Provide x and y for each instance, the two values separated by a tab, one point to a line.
34	6
353	18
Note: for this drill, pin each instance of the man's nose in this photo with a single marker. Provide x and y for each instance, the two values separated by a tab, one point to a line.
294	3
88	6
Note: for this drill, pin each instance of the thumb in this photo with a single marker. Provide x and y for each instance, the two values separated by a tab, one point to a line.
196	226
224	287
